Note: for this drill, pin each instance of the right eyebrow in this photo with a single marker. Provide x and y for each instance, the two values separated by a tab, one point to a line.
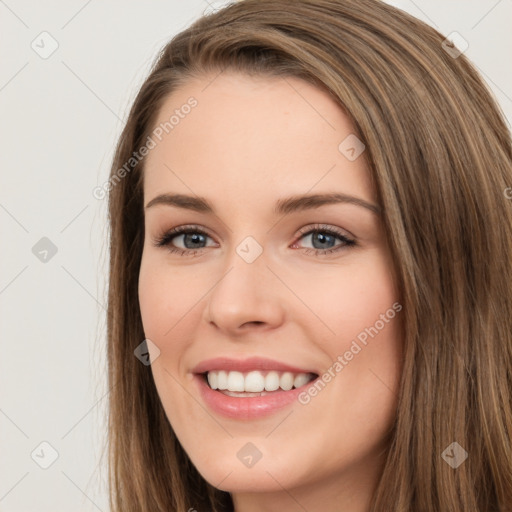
197	204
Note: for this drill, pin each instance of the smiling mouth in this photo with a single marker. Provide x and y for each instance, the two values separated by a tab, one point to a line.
255	383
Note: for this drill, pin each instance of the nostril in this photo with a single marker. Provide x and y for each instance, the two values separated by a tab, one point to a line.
255	322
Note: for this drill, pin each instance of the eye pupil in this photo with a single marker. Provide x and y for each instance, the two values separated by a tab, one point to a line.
194	239
322	239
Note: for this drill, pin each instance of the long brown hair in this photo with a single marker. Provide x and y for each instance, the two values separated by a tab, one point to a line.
440	155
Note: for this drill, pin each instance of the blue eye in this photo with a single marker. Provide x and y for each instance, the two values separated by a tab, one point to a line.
190	240
324	240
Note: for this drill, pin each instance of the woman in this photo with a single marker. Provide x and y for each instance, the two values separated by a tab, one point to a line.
310	302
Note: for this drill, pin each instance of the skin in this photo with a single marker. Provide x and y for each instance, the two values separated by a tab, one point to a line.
249	142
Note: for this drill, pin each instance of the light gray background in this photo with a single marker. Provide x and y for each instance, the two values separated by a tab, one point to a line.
60	118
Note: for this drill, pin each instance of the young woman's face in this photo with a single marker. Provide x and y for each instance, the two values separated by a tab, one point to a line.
267	289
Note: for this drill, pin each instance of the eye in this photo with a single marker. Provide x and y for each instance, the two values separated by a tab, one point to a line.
324	240
190	240
184	240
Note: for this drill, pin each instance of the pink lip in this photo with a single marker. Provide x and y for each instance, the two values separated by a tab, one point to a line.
246	408
246	365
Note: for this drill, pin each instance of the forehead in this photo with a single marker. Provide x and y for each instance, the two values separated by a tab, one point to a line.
270	136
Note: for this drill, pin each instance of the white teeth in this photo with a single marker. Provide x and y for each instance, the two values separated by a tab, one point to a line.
256	381
272	381
300	380
236	381
213	379
286	381
222	379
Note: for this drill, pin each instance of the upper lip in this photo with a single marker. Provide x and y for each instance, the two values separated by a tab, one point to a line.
246	365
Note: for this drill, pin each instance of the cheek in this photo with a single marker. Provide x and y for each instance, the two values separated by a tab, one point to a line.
344	301
166	296
360	328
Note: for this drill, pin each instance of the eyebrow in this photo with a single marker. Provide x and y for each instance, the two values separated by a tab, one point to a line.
282	207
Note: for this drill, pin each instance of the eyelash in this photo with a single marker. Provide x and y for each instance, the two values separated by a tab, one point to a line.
165	239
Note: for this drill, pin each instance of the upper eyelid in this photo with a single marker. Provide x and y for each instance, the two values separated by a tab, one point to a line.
325	227
178	230
302	232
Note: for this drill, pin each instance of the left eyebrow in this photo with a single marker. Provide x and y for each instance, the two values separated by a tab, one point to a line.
298	203
282	207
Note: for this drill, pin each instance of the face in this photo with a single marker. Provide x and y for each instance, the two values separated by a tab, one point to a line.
247	284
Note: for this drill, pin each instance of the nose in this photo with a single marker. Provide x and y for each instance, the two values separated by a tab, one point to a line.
247	297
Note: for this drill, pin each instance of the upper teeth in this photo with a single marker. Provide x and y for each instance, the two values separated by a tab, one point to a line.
256	381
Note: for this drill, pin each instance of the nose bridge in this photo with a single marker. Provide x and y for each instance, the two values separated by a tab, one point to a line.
247	292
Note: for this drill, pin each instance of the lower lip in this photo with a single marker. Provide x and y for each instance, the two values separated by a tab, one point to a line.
246	407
